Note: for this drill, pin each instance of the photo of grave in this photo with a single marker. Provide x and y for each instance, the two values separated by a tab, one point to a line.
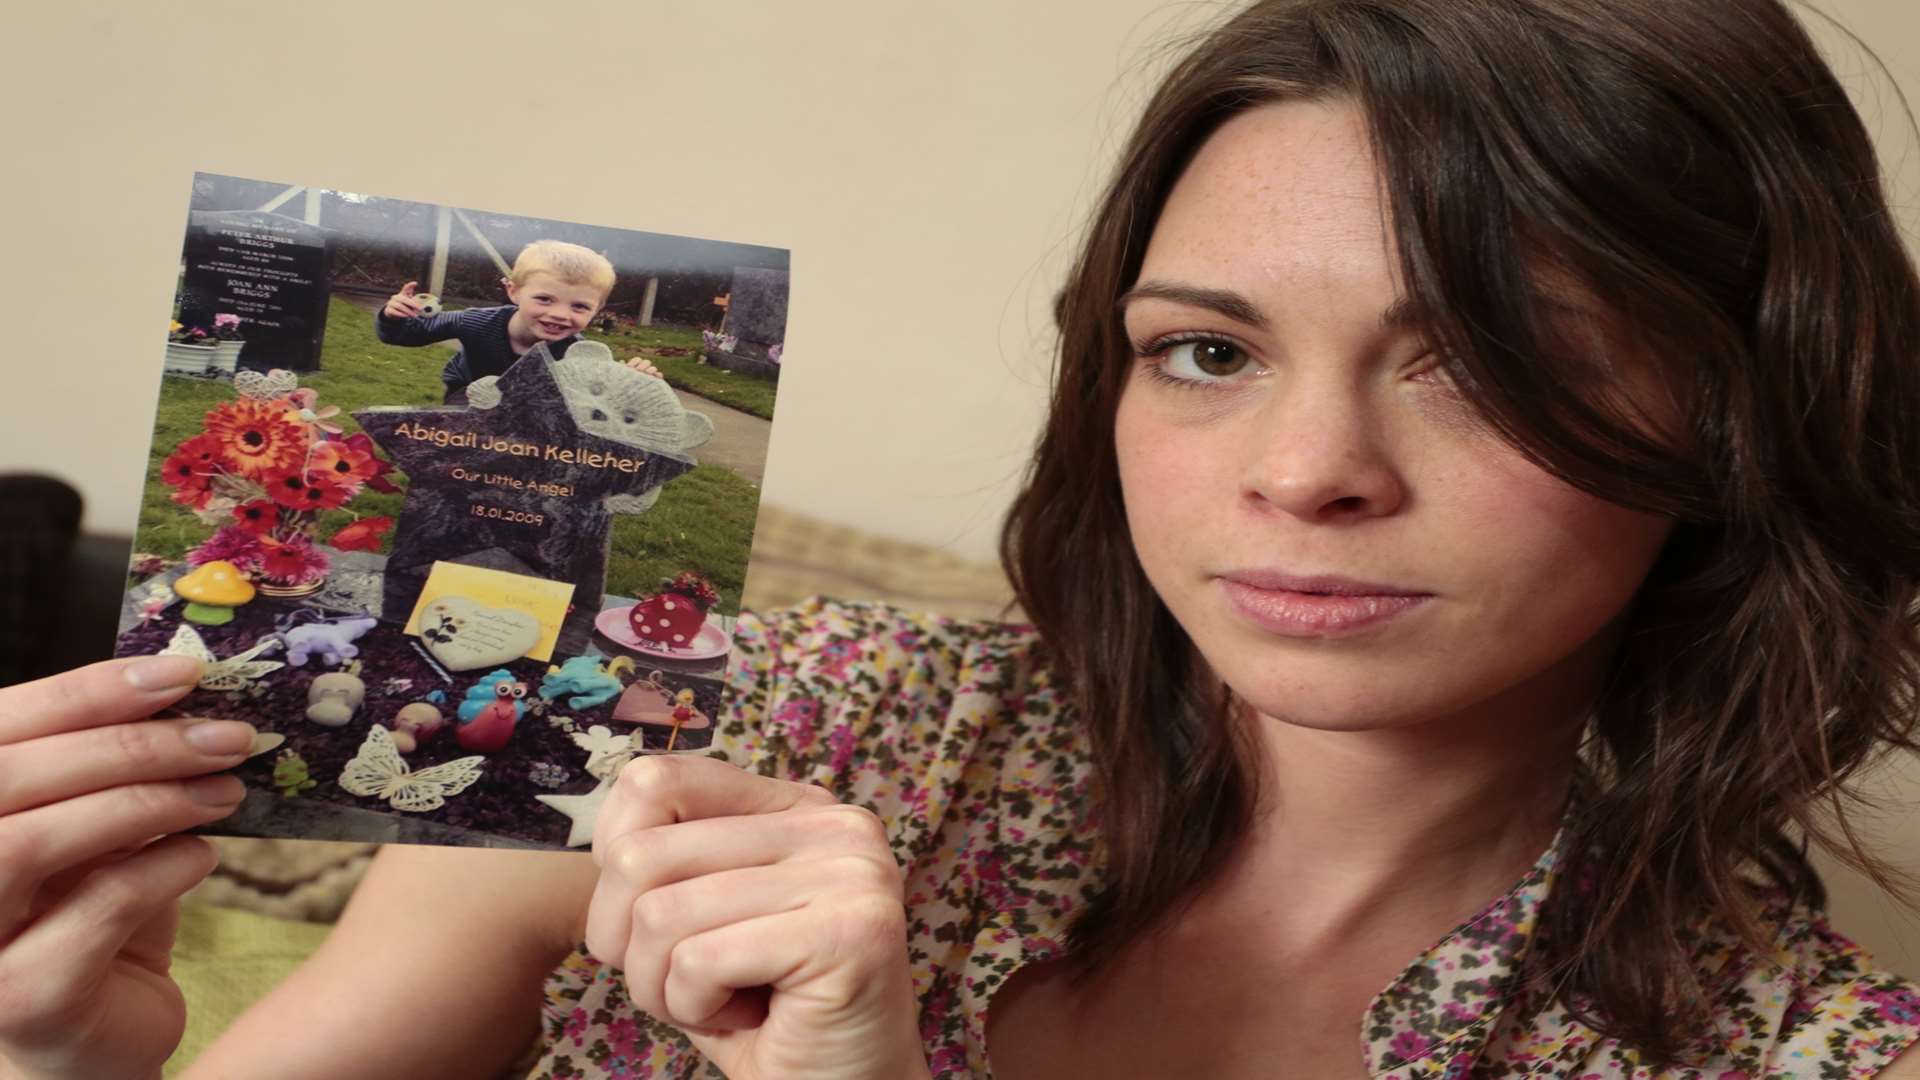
454	506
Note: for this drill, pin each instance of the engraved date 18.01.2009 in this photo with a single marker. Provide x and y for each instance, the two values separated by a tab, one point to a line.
501	513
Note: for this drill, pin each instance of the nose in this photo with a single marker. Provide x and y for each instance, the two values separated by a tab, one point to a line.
1319	454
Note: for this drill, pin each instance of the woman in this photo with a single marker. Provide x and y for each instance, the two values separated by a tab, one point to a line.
1472	532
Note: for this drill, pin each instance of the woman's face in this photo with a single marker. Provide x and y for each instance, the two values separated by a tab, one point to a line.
1346	544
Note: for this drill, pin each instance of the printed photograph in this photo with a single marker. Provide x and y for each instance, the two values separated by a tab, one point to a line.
454	505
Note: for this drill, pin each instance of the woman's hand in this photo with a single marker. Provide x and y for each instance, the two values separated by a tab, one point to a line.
89	898
644	366
761	917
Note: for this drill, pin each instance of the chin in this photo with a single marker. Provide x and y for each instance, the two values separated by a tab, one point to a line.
1336	708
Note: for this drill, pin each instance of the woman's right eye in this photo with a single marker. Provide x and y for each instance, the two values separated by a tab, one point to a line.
1196	360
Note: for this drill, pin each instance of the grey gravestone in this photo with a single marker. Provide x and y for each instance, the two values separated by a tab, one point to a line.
267	268
757	315
518	487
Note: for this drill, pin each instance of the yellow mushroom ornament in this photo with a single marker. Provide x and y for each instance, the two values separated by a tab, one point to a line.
212	592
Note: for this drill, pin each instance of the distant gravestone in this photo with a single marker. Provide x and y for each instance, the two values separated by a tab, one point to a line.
267	268
757	316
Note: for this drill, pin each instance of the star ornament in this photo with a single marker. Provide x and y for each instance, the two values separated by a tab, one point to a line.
583	810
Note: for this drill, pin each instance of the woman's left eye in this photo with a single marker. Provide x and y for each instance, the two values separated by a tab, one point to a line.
1443	370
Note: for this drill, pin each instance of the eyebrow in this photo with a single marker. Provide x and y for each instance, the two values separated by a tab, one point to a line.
1220	301
1402	313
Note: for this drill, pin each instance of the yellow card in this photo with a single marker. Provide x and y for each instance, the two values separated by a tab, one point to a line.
476	617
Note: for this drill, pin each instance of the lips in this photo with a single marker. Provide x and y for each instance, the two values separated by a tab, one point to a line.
1295	605
1324	584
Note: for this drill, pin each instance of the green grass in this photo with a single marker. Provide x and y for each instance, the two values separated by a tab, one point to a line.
748	393
703	521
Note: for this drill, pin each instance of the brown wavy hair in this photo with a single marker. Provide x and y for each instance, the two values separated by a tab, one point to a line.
1695	166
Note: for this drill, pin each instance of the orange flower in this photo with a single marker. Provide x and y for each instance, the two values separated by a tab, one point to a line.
286	487
194	496
257	517
184	470
257	437
204	449
362	535
344	463
295	560
307	491
381	466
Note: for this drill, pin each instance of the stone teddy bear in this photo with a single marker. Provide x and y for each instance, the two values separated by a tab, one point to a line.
613	401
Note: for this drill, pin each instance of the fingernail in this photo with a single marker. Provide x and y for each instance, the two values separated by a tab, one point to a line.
216	790
220	736
152	673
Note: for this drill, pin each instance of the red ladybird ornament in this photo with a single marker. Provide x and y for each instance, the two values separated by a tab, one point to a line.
671	619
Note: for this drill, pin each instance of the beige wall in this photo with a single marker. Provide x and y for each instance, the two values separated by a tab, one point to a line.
925	163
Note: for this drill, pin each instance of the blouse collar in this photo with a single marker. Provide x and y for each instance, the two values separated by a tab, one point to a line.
1435	1018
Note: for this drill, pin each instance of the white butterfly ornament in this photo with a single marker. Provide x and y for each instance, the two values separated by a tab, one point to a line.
377	771
233	673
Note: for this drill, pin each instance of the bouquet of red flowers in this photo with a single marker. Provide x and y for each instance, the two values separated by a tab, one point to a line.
263	467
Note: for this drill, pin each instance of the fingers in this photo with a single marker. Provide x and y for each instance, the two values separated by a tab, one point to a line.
112	692
662	790
820	958
649	858
644	860
72	763
649	873
644	366
409	288
54	964
671	918
39	843
663	918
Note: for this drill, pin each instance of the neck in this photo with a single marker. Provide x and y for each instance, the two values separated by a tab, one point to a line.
519	334
1373	805
1416	824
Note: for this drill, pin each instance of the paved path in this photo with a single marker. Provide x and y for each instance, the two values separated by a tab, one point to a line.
739	439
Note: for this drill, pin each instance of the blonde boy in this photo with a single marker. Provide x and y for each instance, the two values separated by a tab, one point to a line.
555	289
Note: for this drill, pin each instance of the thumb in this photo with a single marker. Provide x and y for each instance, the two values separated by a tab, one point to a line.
407	289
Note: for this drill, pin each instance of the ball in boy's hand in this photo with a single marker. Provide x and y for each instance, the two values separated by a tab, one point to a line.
429	304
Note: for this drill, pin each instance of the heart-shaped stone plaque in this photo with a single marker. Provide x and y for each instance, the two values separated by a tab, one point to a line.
464	635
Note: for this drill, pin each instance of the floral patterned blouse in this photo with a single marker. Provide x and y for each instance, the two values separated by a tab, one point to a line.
955	735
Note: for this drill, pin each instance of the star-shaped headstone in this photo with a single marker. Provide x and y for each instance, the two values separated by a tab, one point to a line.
517	487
